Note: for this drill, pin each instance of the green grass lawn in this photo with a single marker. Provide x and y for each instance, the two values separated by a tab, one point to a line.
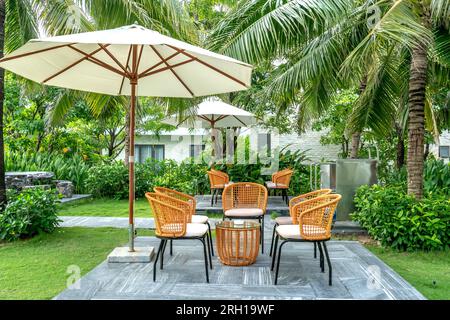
105	208
420	269
37	268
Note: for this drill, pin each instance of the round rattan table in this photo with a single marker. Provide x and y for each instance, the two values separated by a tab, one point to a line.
237	242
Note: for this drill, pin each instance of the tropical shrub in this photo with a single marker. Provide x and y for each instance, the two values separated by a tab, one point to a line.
398	220
108	180
437	177
73	168
28	213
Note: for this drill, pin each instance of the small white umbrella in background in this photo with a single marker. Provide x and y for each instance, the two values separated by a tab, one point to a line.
213	113
132	61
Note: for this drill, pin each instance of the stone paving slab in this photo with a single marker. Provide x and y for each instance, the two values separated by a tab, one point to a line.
357	274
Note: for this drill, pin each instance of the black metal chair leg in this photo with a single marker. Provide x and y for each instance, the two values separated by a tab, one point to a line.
330	270
209	250
321	263
206	259
273	239
171	247
210	238
274	252
212	196
315	250
156	258
262	235
278	261
162	255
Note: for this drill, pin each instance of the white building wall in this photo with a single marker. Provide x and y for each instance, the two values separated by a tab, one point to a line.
444	140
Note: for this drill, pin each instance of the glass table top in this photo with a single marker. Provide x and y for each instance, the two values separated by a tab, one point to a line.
237	224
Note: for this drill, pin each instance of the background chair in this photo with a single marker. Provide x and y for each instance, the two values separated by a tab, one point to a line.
280	181
217	180
292	219
245	200
194	218
171	221
315	217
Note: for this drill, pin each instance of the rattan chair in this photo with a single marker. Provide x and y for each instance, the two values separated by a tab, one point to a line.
194	218
315	217
280	181
217	180
245	200
172	223
292	219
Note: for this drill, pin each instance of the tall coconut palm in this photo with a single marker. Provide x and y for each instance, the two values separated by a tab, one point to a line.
338	49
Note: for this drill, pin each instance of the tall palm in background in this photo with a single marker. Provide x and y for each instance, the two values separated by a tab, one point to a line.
22	20
324	46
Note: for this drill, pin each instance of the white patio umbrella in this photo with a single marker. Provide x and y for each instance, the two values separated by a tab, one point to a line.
132	61
213	113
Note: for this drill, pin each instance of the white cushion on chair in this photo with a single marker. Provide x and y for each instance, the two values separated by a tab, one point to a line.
272	185
195	229
244	212
197	218
293	231
283	220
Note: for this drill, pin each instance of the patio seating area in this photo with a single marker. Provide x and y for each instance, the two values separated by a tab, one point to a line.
357	274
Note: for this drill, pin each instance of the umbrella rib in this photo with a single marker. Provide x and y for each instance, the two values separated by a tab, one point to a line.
165	68
112	57
209	66
71	65
240	120
173	71
127	67
158	64
99	62
35	52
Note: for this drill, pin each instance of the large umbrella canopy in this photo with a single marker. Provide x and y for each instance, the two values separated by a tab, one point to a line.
214	113
132	61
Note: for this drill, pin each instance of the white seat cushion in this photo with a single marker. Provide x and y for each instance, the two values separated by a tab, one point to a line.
244	212
283	220
293	231
197	218
271	185
195	229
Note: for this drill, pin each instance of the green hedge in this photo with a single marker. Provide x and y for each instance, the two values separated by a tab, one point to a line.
400	221
28	213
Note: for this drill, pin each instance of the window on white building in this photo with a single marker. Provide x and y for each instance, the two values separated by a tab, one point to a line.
264	144
444	151
195	150
154	151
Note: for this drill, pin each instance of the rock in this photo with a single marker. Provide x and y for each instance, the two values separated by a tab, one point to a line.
64	187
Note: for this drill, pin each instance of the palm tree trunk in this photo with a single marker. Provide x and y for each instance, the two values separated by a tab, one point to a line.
416	120
2	96
356	136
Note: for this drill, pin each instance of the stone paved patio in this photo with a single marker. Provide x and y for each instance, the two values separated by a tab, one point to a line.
357	274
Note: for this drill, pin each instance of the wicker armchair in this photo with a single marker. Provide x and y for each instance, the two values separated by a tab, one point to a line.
315	217
280	181
217	180
193	218
292	218
171	221
245	200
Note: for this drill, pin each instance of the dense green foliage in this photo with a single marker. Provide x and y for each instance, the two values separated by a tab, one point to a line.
400	221
30	212
65	167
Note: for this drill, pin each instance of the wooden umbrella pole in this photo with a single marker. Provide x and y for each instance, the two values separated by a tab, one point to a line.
133	83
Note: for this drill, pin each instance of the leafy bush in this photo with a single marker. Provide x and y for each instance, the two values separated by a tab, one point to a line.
108	180
437	177
73	168
400	221
27	213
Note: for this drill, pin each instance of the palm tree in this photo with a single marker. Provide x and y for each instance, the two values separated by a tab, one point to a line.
19	20
327	45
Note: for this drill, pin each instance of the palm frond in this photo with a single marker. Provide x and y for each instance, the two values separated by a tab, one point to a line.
21	23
